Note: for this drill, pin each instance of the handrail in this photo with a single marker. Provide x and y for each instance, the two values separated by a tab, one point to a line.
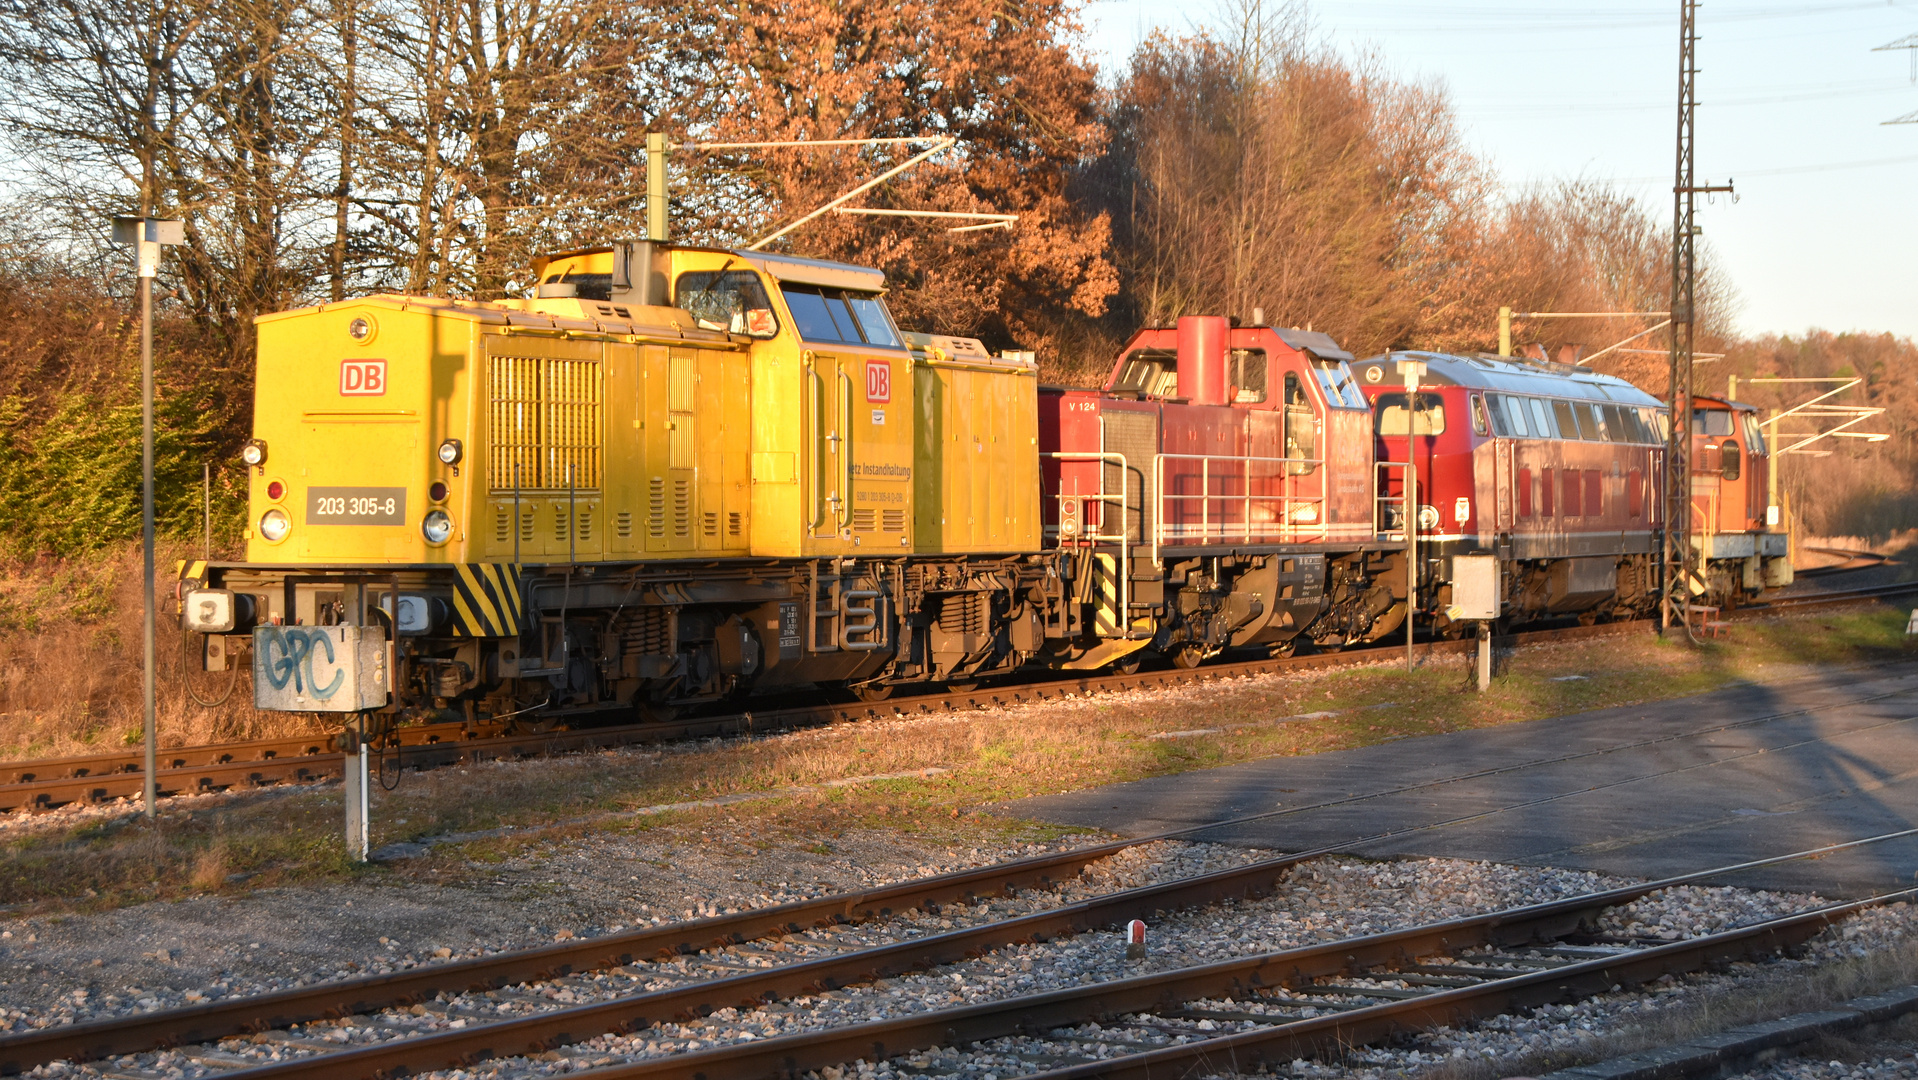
843	519
1380	500
818	466
1290	505
1124	537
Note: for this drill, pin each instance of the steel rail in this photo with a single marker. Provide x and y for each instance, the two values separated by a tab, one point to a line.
539	1031
1249	1050
792	1055
220	1019
1846	596
220	766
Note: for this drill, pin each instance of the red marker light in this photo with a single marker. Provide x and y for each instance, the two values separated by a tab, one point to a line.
437	492
274	490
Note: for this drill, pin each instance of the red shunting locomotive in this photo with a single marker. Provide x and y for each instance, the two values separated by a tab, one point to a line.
1221	487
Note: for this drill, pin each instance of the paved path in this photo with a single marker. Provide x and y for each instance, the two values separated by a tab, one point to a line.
1643	790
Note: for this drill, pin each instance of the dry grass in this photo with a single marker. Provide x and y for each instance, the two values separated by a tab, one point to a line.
990	756
70	663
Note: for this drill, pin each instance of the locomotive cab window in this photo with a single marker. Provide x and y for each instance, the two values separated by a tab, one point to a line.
1714	422
1754	434
1480	424
730	300
1393	418
1728	460
1149	373
588	286
840	315
1335	378
1301	428
1245	368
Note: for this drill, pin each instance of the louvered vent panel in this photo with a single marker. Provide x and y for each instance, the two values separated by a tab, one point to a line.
623	524
893	520
865	520
682	509
543	423
656	509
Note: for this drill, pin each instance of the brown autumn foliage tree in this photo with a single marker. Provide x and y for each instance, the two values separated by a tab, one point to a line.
1260	173
1001	77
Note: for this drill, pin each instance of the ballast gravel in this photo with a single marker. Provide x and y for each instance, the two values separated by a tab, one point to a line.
241	946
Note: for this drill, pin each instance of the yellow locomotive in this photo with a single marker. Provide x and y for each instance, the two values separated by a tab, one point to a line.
672	474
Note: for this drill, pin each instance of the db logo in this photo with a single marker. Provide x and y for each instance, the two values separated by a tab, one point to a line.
878	381
362	378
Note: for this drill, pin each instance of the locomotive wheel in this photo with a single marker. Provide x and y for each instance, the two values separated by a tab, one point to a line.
1189	657
653	713
1127	666
961	686
873	691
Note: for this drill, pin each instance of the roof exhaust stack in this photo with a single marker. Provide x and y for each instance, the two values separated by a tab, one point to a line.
1202	341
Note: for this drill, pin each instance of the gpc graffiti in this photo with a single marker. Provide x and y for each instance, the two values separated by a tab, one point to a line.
319	668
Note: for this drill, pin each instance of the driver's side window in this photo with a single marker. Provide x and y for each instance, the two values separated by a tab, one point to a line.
1301	428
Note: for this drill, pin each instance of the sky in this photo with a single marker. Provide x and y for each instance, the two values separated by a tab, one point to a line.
1792	103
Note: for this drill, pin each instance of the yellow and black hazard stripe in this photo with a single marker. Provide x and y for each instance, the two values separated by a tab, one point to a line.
486	600
194	571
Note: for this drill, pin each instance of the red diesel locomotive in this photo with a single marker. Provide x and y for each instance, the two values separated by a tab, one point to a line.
1219	492
1244	486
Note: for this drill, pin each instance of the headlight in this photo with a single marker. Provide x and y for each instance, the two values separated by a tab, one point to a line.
254	452
274	525
451	451
1428	518
436	527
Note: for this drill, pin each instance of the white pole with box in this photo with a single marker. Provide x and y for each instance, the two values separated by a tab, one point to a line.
147	236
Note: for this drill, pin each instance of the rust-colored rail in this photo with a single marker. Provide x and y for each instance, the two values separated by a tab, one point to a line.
791	1055
51	782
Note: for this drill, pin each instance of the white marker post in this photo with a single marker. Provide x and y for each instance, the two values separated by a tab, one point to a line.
147	236
1411	370
358	790
1135	940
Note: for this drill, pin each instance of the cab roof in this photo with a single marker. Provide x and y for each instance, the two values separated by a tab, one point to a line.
1504	373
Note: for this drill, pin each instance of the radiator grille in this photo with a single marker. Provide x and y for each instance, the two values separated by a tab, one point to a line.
865	521
1136	435
543	423
893	520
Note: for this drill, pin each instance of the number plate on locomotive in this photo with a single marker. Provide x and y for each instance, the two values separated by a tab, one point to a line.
356	506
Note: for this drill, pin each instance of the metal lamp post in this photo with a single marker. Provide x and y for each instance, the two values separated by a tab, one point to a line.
147	236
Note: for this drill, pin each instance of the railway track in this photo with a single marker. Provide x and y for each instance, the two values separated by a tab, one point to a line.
1273	1006
51	782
